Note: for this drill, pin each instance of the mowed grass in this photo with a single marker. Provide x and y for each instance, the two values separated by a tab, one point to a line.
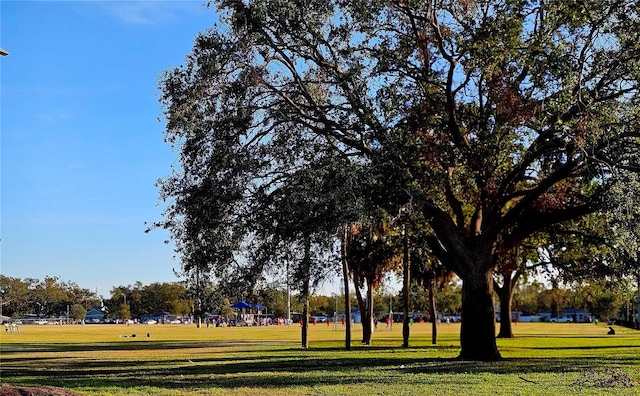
543	359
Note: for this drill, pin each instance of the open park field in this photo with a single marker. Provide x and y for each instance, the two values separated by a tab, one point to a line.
543	359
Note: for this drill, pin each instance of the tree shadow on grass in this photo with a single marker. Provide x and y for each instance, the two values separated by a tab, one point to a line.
129	345
580	347
271	369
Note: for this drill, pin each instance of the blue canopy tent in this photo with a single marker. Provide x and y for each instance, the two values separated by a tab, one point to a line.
241	305
260	306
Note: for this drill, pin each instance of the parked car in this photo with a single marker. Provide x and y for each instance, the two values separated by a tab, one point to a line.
452	318
561	319
150	321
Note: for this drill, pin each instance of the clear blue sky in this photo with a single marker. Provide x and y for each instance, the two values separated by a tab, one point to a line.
81	143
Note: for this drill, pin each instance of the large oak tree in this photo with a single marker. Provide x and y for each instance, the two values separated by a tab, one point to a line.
495	119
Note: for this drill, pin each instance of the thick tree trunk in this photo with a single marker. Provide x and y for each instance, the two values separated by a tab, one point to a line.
367	330
505	293
433	312
359	297
363	312
406	292
305	319
347	297
477	334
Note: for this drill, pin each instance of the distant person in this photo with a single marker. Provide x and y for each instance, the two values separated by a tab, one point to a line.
611	331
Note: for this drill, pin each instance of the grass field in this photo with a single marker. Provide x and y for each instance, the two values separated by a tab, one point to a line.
543	359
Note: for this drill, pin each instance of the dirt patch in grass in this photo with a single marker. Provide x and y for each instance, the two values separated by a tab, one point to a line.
9	390
609	378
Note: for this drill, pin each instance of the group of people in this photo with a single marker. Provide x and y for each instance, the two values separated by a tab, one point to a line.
11	328
314	321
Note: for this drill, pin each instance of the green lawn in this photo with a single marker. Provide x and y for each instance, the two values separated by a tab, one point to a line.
543	359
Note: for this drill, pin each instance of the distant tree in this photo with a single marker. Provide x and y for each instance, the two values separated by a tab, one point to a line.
514	265
171	297
559	297
225	308
321	305
449	297
274	298
432	277
50	296
297	222
128	302
528	295
374	248
138	303
77	312
199	293
115	304
124	311
624	220
604	298
15	295
419	298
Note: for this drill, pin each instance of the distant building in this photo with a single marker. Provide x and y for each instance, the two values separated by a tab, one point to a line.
159	317
515	316
578	315
95	315
545	316
356	316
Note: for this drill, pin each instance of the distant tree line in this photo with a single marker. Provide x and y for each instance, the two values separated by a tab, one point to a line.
44	298
52	297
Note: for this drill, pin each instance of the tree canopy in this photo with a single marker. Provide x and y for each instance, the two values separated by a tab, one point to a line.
494	119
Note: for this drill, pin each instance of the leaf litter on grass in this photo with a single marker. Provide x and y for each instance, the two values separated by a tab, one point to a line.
607	378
